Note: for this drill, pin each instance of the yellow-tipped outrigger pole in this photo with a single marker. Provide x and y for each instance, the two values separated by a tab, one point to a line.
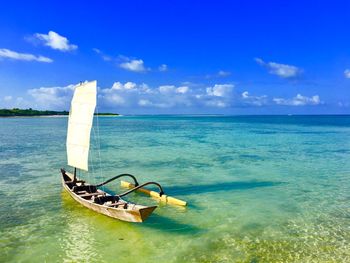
163	197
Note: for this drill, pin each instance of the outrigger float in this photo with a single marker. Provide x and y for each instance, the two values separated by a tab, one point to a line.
78	143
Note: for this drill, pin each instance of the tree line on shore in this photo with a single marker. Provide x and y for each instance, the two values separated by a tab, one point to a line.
31	112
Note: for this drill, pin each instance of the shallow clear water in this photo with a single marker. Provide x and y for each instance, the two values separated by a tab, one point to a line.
260	189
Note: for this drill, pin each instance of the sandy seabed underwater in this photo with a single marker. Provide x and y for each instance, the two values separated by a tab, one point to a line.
259	189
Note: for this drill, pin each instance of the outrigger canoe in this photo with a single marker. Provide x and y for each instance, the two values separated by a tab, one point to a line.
110	205
78	142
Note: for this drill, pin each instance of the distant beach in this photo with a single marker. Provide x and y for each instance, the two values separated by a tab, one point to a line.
42	113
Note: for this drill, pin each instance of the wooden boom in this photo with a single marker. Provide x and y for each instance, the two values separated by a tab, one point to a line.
163	198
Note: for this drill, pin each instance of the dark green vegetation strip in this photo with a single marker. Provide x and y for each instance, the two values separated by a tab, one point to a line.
31	112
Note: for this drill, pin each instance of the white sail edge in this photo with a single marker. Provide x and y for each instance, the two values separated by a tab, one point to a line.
80	121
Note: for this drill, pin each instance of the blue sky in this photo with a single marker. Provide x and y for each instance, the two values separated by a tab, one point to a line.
149	57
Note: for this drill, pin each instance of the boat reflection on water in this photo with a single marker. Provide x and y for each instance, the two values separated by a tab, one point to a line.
84	231
77	241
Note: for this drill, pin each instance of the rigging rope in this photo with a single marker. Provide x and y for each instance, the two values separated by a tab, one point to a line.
99	145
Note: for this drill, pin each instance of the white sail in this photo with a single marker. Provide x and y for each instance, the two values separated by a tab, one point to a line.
79	125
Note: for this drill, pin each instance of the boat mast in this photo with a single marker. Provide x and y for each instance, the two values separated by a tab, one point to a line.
75	175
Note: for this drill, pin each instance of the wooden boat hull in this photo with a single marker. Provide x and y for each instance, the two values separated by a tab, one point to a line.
133	212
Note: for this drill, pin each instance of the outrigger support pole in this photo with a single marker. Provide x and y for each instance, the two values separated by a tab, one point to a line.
118	176
161	192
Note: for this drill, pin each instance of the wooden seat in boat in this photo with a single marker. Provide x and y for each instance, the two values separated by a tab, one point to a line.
92	194
81	192
116	204
111	201
77	181
108	198
87	188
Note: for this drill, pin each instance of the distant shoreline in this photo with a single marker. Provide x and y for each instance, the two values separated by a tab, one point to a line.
9	113
54	116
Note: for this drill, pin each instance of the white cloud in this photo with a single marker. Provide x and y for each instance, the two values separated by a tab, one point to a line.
121	94
9	54
148	103
129	63
343	104
182	89
135	65
347	73
7	98
223	73
52	97
220	95
9	102
281	70
55	41
163	67
220	90
298	100
103	56
166	96
129	85
245	95
216	103
130	95
254	100
166	89
219	74
143	102
116	99
19	100
118	86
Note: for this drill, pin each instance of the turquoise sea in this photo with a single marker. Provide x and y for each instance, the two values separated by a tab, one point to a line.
260	189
